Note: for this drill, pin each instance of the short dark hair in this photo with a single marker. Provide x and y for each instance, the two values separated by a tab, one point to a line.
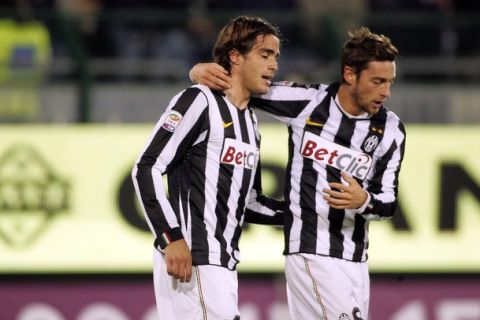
240	34
363	47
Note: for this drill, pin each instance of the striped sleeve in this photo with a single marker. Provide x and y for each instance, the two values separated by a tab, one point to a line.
260	208
178	128
383	188
284	101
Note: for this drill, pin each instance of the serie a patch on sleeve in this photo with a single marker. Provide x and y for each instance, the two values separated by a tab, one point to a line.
172	121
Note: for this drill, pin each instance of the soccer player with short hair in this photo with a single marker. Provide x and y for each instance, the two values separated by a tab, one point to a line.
345	153
207	142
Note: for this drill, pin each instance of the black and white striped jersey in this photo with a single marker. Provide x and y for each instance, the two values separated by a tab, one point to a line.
324	141
209	150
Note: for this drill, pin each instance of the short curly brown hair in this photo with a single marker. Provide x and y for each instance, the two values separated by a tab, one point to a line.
363	47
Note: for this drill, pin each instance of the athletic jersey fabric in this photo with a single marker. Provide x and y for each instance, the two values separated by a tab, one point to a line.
324	141
209	150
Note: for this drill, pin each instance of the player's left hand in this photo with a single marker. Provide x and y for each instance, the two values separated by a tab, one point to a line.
341	196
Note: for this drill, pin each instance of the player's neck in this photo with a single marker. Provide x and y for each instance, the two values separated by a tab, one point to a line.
238	95
346	100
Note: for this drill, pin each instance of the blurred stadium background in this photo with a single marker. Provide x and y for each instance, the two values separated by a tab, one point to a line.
83	81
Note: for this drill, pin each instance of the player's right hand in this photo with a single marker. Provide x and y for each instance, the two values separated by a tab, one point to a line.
179	260
212	75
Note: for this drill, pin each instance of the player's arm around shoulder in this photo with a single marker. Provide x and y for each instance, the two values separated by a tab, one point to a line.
285	99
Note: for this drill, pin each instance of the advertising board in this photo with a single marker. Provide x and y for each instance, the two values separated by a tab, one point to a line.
67	202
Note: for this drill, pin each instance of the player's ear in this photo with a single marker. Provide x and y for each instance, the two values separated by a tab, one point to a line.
349	75
234	56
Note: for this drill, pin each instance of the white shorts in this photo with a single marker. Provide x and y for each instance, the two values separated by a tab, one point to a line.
211	294
320	287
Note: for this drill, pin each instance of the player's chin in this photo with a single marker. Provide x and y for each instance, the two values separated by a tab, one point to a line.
261	89
373	109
